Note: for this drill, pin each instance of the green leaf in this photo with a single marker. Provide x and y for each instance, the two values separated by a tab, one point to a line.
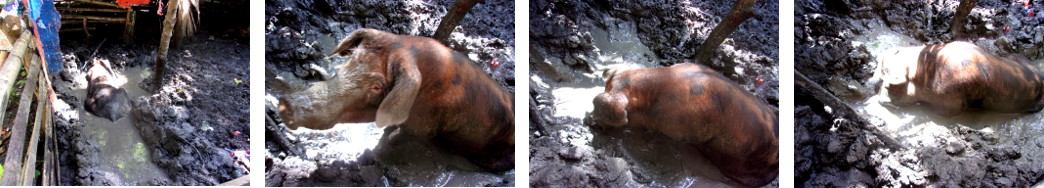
237	81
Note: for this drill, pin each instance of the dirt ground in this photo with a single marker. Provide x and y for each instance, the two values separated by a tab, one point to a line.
299	34
573	41
190	127
836	46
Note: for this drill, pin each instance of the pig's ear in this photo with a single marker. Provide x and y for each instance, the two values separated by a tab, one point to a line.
397	104
353	40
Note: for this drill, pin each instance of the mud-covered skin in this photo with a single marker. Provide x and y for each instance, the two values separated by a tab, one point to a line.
694	104
415	83
959	76
103	99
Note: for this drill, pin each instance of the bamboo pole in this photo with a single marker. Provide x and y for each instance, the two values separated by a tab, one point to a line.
102	3
72	29
92	9
103	18
12	65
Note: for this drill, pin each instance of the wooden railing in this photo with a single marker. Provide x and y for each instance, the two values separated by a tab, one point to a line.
20	164
87	13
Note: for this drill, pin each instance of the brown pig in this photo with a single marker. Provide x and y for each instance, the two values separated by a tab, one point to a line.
959	76
415	83
693	104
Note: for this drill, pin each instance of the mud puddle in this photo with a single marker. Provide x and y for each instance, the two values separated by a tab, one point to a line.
920	128
619	47
880	38
123	153
653	160
398	160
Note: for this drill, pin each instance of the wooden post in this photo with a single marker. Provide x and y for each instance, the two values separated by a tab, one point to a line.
957	25
161	57
739	13
128	33
453	16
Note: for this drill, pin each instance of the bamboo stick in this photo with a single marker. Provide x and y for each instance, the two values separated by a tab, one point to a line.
92	9
103	3
10	69
75	16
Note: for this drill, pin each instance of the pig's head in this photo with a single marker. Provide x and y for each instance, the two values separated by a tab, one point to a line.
895	68
610	107
378	83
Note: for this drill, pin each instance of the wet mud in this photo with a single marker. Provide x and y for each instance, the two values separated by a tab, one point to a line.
184	134
884	145
573	42
299	35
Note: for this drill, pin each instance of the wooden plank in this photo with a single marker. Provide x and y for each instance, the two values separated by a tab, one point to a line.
15	148
48	159
49	172
29	169
241	181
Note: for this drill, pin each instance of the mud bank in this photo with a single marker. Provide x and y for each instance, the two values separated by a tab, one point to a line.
300	34
574	41
187	130
836	45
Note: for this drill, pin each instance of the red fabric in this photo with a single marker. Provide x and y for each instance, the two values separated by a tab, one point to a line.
128	3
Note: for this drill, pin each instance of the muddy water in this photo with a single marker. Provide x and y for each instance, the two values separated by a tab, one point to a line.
124	156
619	47
656	161
881	38
919	128
406	160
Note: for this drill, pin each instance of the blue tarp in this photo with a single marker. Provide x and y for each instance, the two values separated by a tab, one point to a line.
48	21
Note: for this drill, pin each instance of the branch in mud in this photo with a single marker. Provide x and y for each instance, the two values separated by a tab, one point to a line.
277	134
957	25
740	12
803	84
536	116
452	18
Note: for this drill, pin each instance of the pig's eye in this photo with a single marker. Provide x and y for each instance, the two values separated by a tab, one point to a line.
376	88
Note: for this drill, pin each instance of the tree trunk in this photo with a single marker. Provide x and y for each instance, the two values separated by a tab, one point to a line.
161	57
453	16
957	25
739	13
